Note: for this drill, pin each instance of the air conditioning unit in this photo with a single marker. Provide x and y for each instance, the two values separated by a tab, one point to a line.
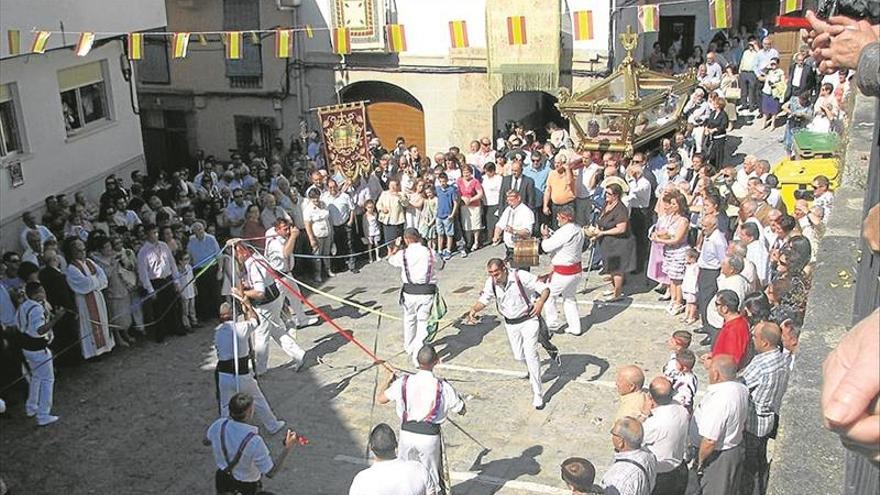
288	4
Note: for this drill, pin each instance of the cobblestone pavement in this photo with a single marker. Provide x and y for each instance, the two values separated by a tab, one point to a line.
133	422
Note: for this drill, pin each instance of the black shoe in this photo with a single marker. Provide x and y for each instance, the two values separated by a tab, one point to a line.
541	407
706	341
701	331
355	270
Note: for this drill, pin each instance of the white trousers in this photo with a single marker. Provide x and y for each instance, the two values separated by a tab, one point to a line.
523	339
271	328
564	287
296	305
42	381
424	449
246	384
416	309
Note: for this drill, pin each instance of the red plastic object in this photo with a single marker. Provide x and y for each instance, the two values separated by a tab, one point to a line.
793	22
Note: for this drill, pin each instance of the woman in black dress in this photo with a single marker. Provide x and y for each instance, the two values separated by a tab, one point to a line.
616	242
716	130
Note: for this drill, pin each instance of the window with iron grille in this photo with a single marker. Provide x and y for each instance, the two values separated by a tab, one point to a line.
244	15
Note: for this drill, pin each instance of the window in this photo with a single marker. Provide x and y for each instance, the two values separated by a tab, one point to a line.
83	96
153	69
10	137
243	15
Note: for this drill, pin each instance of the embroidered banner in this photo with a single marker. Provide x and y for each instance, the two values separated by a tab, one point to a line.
365	20
525	61
344	132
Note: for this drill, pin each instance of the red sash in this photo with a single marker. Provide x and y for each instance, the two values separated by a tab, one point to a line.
92	306
572	269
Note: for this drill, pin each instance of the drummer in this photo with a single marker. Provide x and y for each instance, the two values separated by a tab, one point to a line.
564	245
515	223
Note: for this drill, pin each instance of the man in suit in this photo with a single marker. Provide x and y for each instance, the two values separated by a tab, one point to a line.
801	77
518	182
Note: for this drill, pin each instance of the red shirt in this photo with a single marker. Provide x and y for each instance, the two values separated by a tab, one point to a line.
733	339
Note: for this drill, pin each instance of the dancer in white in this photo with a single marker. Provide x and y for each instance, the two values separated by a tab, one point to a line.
565	246
280	241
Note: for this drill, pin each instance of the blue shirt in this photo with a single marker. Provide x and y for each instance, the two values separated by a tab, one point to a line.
657	163
445	201
540	178
763	58
200	250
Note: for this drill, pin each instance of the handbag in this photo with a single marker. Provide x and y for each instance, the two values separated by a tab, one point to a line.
733	92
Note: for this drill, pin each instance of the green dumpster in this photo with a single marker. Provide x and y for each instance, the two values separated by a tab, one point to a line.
809	145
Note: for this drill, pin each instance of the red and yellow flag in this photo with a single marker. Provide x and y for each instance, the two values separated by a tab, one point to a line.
233	45
84	45
396	38
720	14
40	39
203	40
283	38
179	44
255	38
341	41
309	33
458	36
13	39
135	46
649	18
583	25
516	30
786	6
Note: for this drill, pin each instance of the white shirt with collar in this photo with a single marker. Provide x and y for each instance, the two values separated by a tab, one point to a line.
666	431
340	207
45	235
393	477
509	297
639	195
721	415
223	339
713	251
520	218
256	275
255	460
584	177
421	263
565	245
633	472
421	396
756	252
275	252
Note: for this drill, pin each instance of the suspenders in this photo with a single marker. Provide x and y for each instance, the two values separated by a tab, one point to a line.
430	268
522	293
230	465
435	409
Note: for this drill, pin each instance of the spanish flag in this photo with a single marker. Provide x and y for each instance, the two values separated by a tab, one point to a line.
13	38
283	38
84	45
135	46
516	30
583	25
39	45
255	38
458	37
179	44
309	32
720	14
786	6
396	38
341	41
649	18
233	45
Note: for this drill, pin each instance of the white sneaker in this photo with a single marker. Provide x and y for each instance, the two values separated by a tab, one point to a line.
281	425
48	420
538	402
308	322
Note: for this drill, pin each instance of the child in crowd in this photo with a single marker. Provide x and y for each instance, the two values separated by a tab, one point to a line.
187	291
372	229
679	341
689	286
684	381
428	217
447	208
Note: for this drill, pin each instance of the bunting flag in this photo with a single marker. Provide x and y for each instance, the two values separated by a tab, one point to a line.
649	18
135	46
786	6
583	25
309	32
179	44
13	39
458	36
720	14
283	38
233	45
84	45
40	39
516	30
396	38
203	40
255	38
341	41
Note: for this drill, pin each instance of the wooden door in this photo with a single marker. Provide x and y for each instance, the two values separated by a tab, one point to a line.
390	119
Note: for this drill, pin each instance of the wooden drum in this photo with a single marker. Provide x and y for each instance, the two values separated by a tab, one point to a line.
525	253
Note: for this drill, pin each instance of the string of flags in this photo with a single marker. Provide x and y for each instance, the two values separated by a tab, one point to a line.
648	15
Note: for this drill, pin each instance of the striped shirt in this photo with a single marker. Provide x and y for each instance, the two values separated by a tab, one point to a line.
765	379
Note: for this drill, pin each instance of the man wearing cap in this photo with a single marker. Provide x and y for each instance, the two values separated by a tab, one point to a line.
418	270
423	404
565	246
389	475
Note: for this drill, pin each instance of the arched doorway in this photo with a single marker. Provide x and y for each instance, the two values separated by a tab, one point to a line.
533	109
391	112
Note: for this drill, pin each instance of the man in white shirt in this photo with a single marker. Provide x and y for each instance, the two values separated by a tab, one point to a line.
423	403
586	183
240	453
756	251
565	247
823	197
639	195
634	469
389	475
158	275
280	243
516	222
666	431
235	211
513	292
418	271
30	224
712	253
341	209
730	279
713	72
719	424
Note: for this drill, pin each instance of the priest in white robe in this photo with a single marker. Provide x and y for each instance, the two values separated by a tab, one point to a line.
87	279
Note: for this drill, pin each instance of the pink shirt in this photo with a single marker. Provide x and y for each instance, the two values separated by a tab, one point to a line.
469	189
